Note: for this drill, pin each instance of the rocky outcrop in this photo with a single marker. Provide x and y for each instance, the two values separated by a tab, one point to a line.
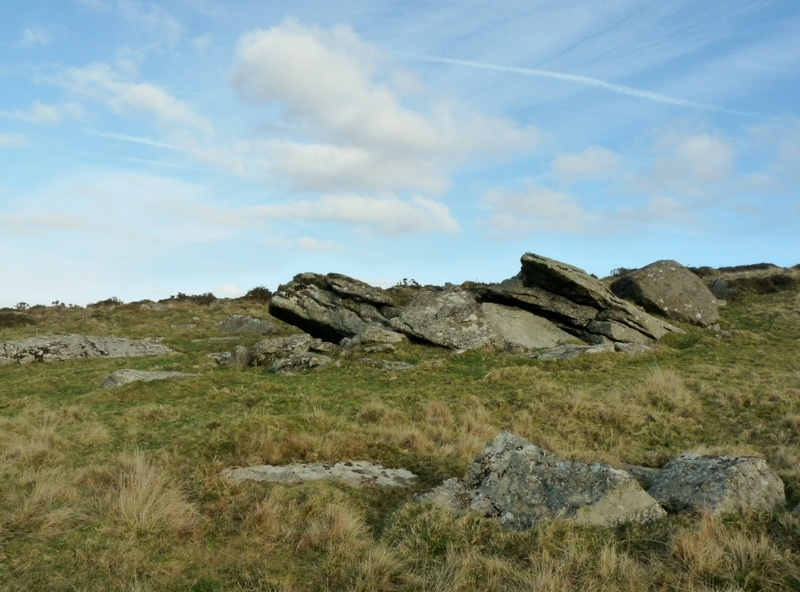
239	323
69	347
718	484
355	474
669	289
576	302
520	484
122	377
290	355
520	330
332	306
546	305
451	318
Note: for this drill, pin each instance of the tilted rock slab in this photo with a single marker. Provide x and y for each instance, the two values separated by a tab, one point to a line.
122	377
577	302
332	306
453	318
718	484
669	289
355	474
70	347
520	484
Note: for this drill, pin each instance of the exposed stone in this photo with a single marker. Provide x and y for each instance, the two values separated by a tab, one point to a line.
719	484
381	348
331	306
522	330
669	289
450	318
69	347
240	323
451	495
355	474
267	351
299	362
520	484
121	377
644	475
567	352
634	349
575	301
387	365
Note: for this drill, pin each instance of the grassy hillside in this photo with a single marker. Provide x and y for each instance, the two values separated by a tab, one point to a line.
120	489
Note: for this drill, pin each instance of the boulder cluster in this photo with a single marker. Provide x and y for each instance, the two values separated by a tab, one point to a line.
520	484
546	305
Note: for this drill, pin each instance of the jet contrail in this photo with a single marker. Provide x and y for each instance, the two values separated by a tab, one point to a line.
591	82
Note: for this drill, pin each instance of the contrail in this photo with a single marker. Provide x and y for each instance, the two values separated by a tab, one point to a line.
134	139
591	82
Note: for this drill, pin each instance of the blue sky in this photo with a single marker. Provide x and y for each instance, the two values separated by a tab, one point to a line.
150	148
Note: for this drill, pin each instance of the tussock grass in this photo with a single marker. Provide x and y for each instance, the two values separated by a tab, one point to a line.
120	490
145	501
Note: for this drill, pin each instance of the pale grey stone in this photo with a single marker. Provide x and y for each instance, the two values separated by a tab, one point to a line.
567	352
521	330
718	484
355	474
61	348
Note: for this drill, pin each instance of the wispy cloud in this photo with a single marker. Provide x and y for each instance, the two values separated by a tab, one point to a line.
13	140
592	83
41	113
133	139
33	37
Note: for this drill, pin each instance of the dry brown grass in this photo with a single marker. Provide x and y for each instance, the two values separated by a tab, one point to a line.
146	501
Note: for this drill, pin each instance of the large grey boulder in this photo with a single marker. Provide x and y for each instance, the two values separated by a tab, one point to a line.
450	318
519	329
122	377
669	289
576	301
520	484
331	307
718	484
453	318
61	348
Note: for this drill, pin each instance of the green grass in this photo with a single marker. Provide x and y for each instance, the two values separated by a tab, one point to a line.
120	489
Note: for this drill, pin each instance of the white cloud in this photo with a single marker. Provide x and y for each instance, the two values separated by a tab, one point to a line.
13	140
593	162
33	37
388	216
533	209
41	113
102	83
354	132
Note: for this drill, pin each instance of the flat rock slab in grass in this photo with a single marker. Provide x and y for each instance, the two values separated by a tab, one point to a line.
355	473
718	484
61	348
121	377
